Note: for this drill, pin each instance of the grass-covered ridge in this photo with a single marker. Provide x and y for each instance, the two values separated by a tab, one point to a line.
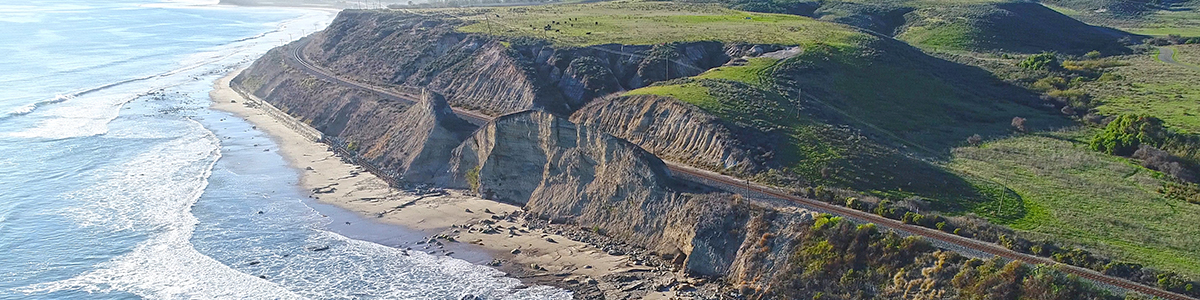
650	22
956	25
1157	18
850	116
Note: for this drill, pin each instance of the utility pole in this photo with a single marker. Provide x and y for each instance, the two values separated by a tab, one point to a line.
487	19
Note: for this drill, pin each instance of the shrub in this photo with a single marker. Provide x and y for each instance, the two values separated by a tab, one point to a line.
1189	192
1071	97
855	204
1158	160
1043	61
1092	55
1018	123
473	179
1091	65
1110	77
974	140
1050	83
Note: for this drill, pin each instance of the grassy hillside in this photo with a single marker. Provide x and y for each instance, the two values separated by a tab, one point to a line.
1011	27
863	110
1150	86
1147	17
1105	203
646	23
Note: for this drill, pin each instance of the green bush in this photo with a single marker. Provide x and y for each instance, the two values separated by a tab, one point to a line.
1123	135
1043	61
473	179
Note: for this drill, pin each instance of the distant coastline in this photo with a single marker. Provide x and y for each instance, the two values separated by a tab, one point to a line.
290	3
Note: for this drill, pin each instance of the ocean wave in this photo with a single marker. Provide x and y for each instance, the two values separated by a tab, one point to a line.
215	61
153	193
28	108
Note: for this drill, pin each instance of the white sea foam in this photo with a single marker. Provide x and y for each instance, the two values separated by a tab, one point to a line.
155	192
369	270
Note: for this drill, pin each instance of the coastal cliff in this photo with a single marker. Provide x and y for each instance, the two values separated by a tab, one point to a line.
678	131
397	49
554	169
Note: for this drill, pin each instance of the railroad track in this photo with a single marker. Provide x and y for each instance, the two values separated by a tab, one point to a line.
727	183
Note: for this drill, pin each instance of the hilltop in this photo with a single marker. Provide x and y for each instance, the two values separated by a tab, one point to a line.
958	25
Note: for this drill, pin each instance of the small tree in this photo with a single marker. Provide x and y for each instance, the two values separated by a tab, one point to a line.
1018	123
1123	135
1093	55
974	140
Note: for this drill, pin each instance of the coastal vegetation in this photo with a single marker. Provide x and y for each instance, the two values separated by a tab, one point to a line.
837	259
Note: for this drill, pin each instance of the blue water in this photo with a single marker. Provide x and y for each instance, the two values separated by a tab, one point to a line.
118	182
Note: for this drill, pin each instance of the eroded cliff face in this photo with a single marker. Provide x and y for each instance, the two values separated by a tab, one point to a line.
417	142
554	168
525	158
399	49
484	74
678	131
335	110
578	174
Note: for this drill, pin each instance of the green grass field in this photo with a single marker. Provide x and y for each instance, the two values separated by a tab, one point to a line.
650	22
1073	194
753	72
1183	22
1188	54
1149	86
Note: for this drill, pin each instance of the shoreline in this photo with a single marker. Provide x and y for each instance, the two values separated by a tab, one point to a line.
453	221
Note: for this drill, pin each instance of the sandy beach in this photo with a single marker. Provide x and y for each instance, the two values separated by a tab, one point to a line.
449	216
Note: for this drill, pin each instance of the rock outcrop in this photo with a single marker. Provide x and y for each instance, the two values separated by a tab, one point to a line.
678	131
418	142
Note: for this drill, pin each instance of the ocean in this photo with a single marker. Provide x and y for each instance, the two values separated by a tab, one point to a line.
118	182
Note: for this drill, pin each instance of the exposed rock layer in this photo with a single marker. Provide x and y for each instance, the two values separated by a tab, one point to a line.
401	49
677	131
